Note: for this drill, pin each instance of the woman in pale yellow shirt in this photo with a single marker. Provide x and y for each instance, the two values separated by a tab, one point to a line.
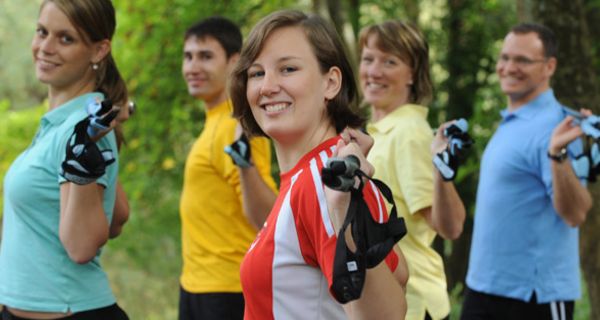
395	80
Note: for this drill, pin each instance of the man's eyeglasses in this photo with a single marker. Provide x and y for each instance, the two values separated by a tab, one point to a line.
519	61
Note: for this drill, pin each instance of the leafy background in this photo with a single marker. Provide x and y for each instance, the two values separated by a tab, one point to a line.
144	262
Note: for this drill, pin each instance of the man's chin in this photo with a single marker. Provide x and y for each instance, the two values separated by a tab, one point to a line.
196	94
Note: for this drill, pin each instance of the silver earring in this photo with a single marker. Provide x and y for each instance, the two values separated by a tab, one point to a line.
95	66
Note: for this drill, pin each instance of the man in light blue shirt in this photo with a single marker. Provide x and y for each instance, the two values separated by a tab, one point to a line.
524	261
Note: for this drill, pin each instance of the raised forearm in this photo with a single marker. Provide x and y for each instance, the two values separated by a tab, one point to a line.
448	211
83	226
571	200
382	297
257	197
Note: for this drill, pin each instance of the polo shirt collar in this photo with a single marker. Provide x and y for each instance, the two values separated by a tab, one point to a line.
530	109
391	120
60	114
223	107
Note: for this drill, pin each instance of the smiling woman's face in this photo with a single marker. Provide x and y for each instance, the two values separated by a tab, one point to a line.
385	79
286	89
62	58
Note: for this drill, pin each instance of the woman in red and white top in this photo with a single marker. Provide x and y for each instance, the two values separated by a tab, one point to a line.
294	84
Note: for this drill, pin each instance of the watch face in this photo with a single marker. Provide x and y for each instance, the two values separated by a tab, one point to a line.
560	156
563	153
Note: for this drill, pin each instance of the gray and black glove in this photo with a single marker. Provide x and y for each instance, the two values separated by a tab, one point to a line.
239	151
84	162
100	114
447	161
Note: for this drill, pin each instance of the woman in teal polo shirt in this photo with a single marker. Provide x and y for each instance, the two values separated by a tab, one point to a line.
59	194
394	77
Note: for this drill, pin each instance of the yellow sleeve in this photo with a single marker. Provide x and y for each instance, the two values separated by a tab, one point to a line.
261	156
414	168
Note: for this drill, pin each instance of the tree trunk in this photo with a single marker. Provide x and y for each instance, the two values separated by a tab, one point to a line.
411	7
468	43
575	84
524	10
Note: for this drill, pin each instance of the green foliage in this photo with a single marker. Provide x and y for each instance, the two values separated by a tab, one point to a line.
144	263
17	26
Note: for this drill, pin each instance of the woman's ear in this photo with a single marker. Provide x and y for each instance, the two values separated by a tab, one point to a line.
101	50
333	82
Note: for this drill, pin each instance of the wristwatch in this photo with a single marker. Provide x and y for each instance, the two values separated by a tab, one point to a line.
560	156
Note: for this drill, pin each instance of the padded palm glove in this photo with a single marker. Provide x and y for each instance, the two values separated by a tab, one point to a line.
84	162
101	114
446	164
587	165
239	151
447	161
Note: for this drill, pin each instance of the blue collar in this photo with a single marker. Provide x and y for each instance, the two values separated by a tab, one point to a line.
530	109
62	112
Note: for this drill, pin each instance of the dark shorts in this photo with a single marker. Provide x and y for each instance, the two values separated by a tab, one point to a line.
112	312
428	316
211	306
478	305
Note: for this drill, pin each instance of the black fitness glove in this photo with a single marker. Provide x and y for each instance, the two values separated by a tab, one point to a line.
100	114
447	161
84	162
239	151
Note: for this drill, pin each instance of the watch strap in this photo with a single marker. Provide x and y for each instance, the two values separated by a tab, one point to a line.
560	156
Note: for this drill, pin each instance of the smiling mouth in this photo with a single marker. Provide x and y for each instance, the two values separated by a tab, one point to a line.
511	80
196	81
45	64
276	107
375	86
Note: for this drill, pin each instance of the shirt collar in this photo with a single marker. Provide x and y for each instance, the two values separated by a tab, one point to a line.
223	107
530	109
62	112
391	120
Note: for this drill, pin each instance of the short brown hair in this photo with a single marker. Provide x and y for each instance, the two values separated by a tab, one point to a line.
404	40
545	34
328	49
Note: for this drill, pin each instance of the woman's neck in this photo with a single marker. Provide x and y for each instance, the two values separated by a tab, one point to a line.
58	96
380	113
289	153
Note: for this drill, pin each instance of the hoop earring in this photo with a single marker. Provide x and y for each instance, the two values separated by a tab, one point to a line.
94	66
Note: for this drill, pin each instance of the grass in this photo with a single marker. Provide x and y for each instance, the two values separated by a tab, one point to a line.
142	293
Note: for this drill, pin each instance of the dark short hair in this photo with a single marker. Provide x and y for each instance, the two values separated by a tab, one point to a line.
223	30
327	47
404	40
545	34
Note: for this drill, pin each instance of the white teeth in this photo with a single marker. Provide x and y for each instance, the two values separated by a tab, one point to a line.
372	85
275	107
46	64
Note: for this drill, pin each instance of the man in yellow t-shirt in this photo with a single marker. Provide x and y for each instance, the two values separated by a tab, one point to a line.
225	200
